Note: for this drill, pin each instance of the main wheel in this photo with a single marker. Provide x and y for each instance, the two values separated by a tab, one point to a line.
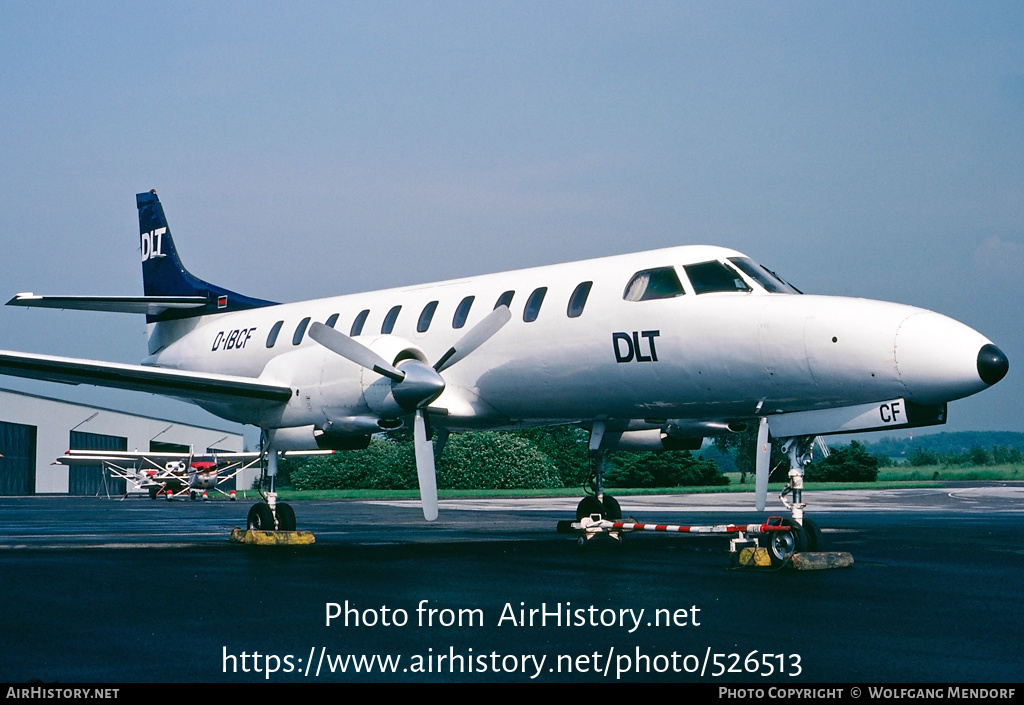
285	518
782	545
260	517
813	531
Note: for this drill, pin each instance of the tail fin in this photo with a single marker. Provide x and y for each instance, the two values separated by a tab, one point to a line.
163	274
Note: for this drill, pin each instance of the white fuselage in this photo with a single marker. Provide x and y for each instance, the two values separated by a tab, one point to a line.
720	356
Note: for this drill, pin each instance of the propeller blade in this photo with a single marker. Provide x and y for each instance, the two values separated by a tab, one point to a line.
425	466
477	336
764	457
358	353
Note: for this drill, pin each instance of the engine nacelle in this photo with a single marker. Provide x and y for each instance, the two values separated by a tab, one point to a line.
313	438
653	439
330	389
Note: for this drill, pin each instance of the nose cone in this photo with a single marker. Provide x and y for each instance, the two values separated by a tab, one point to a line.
939	359
992	364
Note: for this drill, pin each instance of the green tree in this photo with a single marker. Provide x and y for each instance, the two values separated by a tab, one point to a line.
495	460
743	448
852	463
566	446
662	469
385	464
920	456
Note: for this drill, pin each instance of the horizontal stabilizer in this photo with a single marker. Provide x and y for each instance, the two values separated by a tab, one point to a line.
149	305
198	386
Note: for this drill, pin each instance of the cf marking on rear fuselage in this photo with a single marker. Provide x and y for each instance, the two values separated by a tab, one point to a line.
628	346
232	339
151	243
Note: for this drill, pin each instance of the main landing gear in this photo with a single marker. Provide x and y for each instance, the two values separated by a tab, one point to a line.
271	515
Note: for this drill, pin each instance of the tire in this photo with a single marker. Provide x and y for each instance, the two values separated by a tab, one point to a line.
260	517
813	531
612	511
285	517
782	545
587	506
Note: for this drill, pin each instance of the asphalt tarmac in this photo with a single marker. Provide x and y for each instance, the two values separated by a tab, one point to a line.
97	590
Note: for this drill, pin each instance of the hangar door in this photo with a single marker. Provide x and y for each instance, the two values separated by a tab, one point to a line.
88	480
18	464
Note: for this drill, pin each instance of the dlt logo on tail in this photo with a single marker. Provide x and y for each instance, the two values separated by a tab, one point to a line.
151	242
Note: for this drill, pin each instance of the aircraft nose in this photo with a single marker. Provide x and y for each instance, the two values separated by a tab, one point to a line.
939	359
992	364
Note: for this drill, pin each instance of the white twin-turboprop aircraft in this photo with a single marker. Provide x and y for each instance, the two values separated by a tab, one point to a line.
653	350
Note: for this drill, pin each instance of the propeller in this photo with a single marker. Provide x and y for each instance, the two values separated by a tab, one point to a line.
425	466
762	466
414	385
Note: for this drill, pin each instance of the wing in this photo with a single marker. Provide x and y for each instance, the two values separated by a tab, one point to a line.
199	386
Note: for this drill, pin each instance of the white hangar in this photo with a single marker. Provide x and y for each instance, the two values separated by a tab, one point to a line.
36	430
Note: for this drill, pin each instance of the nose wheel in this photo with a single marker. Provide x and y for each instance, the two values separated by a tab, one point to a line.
798	538
590	505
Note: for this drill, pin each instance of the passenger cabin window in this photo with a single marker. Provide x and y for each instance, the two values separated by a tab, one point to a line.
300	330
714	276
462	312
533	303
650	284
426	315
357	325
578	299
331	320
763	276
505	299
272	338
389	320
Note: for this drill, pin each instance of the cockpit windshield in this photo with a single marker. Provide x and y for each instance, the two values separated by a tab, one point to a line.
714	276
763	276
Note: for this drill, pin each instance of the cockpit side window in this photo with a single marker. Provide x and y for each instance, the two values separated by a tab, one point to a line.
660	283
714	276
763	276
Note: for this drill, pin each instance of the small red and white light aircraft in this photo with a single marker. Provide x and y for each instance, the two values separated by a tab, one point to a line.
167	474
652	350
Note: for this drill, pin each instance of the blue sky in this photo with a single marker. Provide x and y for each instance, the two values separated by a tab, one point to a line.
869	149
